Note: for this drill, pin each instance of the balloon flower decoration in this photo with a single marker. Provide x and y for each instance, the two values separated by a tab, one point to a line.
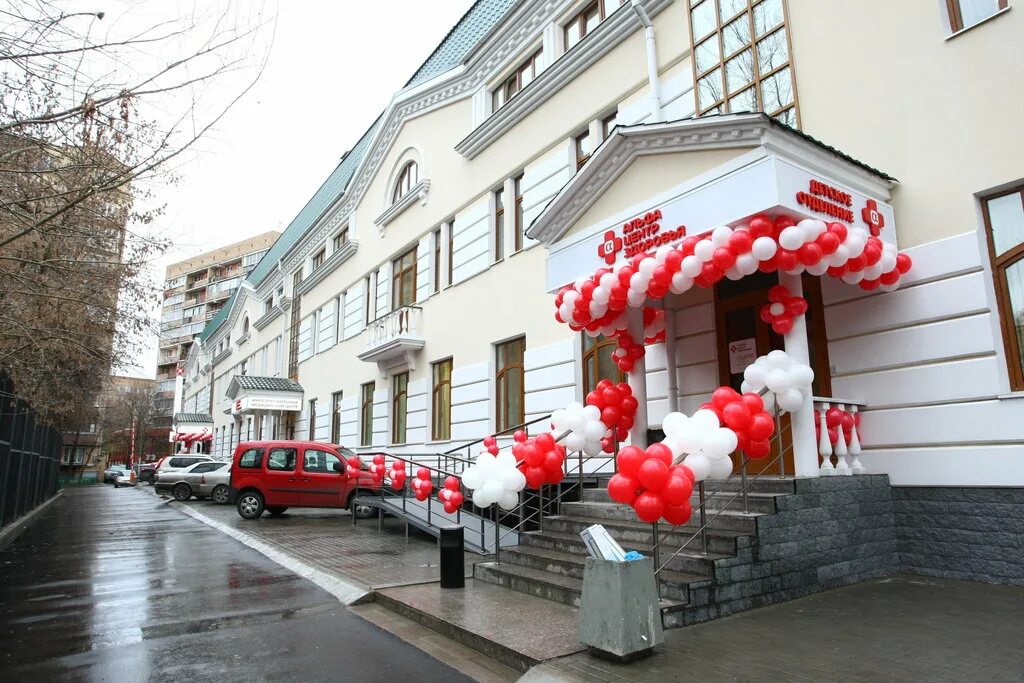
378	469
782	308
788	382
354	464
648	481
491	445
398	475
496	479
451	495
583	427
540	460
422	485
618	408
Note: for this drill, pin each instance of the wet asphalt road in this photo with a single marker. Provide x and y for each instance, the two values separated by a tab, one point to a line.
111	585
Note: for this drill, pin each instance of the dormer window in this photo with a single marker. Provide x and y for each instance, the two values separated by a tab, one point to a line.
520	78
407	179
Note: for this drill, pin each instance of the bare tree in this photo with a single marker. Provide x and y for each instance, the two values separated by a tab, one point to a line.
125	411
90	117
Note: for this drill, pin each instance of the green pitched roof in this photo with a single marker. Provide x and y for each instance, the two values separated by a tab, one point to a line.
222	315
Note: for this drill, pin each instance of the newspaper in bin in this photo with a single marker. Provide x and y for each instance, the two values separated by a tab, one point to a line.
600	544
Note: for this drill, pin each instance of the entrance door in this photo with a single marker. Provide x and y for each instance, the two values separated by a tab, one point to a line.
322	485
282	478
743	336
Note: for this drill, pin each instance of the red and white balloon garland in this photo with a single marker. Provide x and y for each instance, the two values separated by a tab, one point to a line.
595	303
782	308
422	484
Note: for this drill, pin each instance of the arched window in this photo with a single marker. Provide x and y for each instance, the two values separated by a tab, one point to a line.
407	178
245	326
598	363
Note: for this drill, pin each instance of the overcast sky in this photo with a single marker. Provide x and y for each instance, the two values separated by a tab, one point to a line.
332	69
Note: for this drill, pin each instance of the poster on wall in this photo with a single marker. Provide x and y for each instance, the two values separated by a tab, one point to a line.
742	352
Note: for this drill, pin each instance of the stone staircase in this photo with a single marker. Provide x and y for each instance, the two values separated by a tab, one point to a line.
549	563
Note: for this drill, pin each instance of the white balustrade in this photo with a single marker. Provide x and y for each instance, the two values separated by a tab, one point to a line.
841	438
399	323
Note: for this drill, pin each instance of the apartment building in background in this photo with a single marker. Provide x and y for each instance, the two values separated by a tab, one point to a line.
195	290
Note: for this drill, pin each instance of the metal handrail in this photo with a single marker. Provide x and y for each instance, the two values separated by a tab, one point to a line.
509	430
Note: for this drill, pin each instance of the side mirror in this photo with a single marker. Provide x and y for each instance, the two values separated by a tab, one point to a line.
338	468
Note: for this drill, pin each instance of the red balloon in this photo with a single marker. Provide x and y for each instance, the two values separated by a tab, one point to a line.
533	455
610	415
847	421
796	306
760	227
553	460
809	254
678	514
629	405
629	459
869	284
783	325
829	242
856	264
545	441
649	507
490	441
677	490
736	416
724	258
450	507
761	426
622	489
423	473
753	402
740	242
688	245
903	263
786	259
653	474
451	483
833	416
659	451
683	471
711	272
612	396
783	222
890	278
673	260
839	230
534	476
378	459
723	396
520	436
758	449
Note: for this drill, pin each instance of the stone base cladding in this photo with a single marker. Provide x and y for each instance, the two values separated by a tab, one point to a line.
831	532
961	533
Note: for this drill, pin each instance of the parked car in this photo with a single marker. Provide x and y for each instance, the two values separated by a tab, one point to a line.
202	480
176	463
147	471
125	477
110	474
277	475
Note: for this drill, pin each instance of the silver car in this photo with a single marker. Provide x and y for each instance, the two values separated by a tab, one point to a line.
202	480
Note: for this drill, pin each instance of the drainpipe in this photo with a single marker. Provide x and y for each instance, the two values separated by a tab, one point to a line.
652	61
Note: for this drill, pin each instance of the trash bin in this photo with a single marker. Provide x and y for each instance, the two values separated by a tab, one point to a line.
619	616
452	566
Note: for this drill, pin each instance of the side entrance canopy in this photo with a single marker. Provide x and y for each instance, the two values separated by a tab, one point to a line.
250	394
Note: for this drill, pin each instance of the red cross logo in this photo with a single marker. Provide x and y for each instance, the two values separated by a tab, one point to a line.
610	247
873	217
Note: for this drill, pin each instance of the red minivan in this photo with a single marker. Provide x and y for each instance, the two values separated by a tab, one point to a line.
277	475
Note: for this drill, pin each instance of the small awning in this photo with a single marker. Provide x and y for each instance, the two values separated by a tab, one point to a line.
250	393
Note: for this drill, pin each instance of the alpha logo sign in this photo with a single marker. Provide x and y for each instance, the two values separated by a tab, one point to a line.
640	235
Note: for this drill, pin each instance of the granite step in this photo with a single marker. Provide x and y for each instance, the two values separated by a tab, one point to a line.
630	533
557	588
730	520
517	630
761	503
766	483
690	560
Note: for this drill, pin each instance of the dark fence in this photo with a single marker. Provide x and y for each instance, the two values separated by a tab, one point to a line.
29	456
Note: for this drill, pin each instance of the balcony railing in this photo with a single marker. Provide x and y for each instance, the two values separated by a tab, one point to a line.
399	333
837	422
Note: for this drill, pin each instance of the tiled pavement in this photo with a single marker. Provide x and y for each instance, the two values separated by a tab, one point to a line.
904	628
327	540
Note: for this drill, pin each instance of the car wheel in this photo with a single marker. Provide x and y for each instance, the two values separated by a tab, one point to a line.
181	491
117	486
361	510
220	494
276	511
250	505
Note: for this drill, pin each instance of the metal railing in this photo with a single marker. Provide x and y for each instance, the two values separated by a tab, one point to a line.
30	453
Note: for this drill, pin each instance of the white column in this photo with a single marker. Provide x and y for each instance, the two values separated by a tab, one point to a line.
638	378
670	358
805	449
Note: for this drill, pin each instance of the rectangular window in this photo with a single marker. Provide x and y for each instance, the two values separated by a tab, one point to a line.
403	280
499	225
399	406
336	417
366	414
519	227
583	23
319	258
451	251
293	340
340	240
296	279
608	124
598	362
371	294
966	13
1004	226
312	419
437	260
524	74
510	389
268	305
584	148
441	401
741	58
282	459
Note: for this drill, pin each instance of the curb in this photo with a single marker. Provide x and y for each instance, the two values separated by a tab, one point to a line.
346	592
19	526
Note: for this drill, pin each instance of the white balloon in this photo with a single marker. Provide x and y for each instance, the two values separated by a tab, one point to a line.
471	478
680	283
704	421
791	238
764	248
492	490
755	374
674	423
746	263
720	442
703	250
647	266
691	267
777	380
505	460
818	268
601	295
777	308
720	236
674	445
720	468
508	501
636	298
811	228
699	464
801	375
479	499
778	359
733	273
607	280
790	400
594	430
638	281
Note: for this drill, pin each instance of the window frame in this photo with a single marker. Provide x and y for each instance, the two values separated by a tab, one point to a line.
312	419
517	192
366	413
956	19
441	410
340	239
502	420
318	259
336	399
512	85
578	140
295	462
999	264
398	272
498	226
399	407
600	343
408	178
327	454
451	252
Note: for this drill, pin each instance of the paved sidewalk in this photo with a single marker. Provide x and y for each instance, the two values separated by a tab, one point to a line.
328	541
904	628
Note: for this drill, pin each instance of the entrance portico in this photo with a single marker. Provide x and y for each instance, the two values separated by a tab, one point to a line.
262	403
651	190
